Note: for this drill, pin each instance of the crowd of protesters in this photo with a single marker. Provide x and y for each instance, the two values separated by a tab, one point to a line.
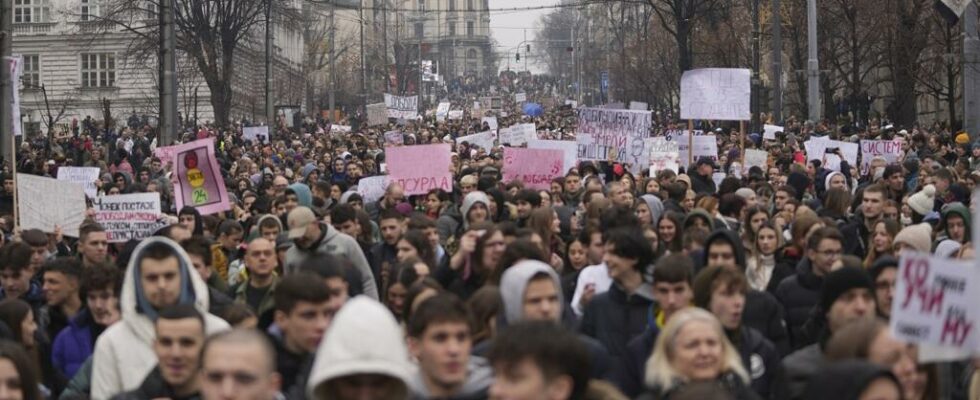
772	283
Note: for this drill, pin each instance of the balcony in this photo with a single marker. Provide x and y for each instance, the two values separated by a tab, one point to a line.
33	28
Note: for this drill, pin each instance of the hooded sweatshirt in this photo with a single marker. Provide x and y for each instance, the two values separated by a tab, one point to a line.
363	338
963	212
469	201
124	352
338	244
479	376
303	194
656	207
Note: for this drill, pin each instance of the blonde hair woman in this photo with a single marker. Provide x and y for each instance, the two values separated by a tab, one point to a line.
692	348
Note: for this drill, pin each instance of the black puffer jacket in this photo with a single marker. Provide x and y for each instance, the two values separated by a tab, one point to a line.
760	359
798	295
614	318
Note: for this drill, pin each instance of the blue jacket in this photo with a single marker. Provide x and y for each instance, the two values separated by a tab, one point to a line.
73	345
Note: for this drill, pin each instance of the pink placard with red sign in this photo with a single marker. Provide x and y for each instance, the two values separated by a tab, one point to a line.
535	167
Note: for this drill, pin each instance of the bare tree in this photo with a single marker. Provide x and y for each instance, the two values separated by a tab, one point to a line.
55	110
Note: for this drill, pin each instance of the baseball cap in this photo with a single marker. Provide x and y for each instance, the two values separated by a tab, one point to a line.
298	220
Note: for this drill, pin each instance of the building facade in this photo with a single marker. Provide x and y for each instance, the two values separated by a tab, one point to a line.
454	35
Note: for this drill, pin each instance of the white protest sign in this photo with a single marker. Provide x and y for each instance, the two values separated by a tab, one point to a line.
456	115
85	176
518	134
128	216
603	133
716	94
572	103
402	107
254	133
890	150
664	154
377	114
936	301
334	129
756	158
769	131
372	188
394	138
717	177
442	111
45	202
816	147
704	146
568	148
491	122
639	106
483	140
520	97
848	152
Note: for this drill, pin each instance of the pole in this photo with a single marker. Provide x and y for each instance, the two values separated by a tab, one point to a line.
13	164
741	135
364	94
332	91
690	144
6	86
421	33
971	71
168	74
812	63
777	62
384	34
270	112
756	106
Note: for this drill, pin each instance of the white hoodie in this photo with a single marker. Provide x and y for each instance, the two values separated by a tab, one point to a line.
124	354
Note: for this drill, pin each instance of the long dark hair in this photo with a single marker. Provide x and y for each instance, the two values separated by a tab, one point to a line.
26	370
13	312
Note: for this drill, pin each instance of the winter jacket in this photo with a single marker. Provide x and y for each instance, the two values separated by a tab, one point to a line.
80	385
799	294
290	366
479	376
266	305
448	223
338	244
729	381
856	235
635	365
760	359
798	368
124	353
703	184
963	212
73	345
615	317
363	338
153	387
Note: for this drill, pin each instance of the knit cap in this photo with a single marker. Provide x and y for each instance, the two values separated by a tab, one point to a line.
918	236
840	281
922	201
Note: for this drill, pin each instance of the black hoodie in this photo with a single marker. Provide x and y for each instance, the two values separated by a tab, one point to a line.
762	311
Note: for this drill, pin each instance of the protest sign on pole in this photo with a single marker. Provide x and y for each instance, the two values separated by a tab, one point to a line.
483	140
421	168
936	301
769	131
85	176
614	134
377	114
518	134
44	203
394	138
256	134
756	158
890	150
535	167
520	97
199	183
442	110
569	150
639	106
16	66
372	188
491	122
455	115
704	146
129	216
664	154
716	94
402	107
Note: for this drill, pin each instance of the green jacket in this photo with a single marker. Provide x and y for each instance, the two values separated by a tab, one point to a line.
268	302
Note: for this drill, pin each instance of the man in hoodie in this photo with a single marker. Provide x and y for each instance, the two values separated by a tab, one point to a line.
955	223
158	276
311	236
439	337
799	293
229	356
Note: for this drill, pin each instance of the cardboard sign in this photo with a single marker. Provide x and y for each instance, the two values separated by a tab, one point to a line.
85	176
664	154
569	150
616	134
372	188
394	138
936	302
756	158
704	146
890	150
535	167
256	134
639	106
483	140
421	168
337	129
520	97
129	216
455	115
45	203
716	94
402	107
491	122
199	183
769	131
518	134
377	114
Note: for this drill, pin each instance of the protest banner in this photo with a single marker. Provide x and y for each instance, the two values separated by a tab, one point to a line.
568	148
823	150
442	110
615	134
85	176
394	138
15	65
756	158
936	301
483	140
129	216
44	203
377	114
421	168
704	146
639	106
716	94
338	129
890	150
664	154
199	183
520	97
491	122
769	131
535	167
496	103
165	154
402	107
672	134
519	134
256	134
572	103
372	188
455	115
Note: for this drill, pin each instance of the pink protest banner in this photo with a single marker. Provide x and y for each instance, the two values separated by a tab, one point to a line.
535	167
165	154
198	181
420	168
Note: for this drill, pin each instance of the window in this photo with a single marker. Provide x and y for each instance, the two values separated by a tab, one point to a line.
421	5
471	54
31	77
152	9
470	28
452	5
30	11
452	28
98	70
419	30
469	5
90	10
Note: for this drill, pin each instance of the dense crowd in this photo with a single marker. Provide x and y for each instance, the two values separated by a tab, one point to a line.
772	283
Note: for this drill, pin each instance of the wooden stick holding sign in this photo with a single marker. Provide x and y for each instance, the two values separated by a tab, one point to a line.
13	167
741	131
690	144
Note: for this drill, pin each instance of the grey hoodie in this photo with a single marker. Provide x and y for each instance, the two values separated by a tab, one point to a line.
514	282
479	376
338	244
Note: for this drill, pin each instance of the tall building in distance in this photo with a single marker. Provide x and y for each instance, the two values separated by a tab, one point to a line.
454	36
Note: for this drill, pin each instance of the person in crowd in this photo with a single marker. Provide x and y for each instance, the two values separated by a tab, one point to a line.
854	380
93	244
302	314
62	294
955	223
18	376
857	232
312	236
799	293
870	340
199	252
479	253
73	346
882	240
258	290
385	254
16	277
228	357
884	273
763	271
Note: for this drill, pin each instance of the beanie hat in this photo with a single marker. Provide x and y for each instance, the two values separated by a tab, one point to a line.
962	138
922	201
918	236
826	181
839	281
947	248
881	264
745	193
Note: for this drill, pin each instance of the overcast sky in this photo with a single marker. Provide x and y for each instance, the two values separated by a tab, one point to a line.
508	28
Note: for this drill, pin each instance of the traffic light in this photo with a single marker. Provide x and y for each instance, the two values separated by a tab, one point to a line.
528	48
518	56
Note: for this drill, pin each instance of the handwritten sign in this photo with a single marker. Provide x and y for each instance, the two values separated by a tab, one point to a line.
372	188
936	301
518	134
256	134
338	129
769	131
45	202
716	94
756	158
520	97
890	150
85	176
199	183
377	114
664	154
455	115
704	146
491	122
483	140
402	107
421	168
615	134
394	138
535	167
569	150
129	216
